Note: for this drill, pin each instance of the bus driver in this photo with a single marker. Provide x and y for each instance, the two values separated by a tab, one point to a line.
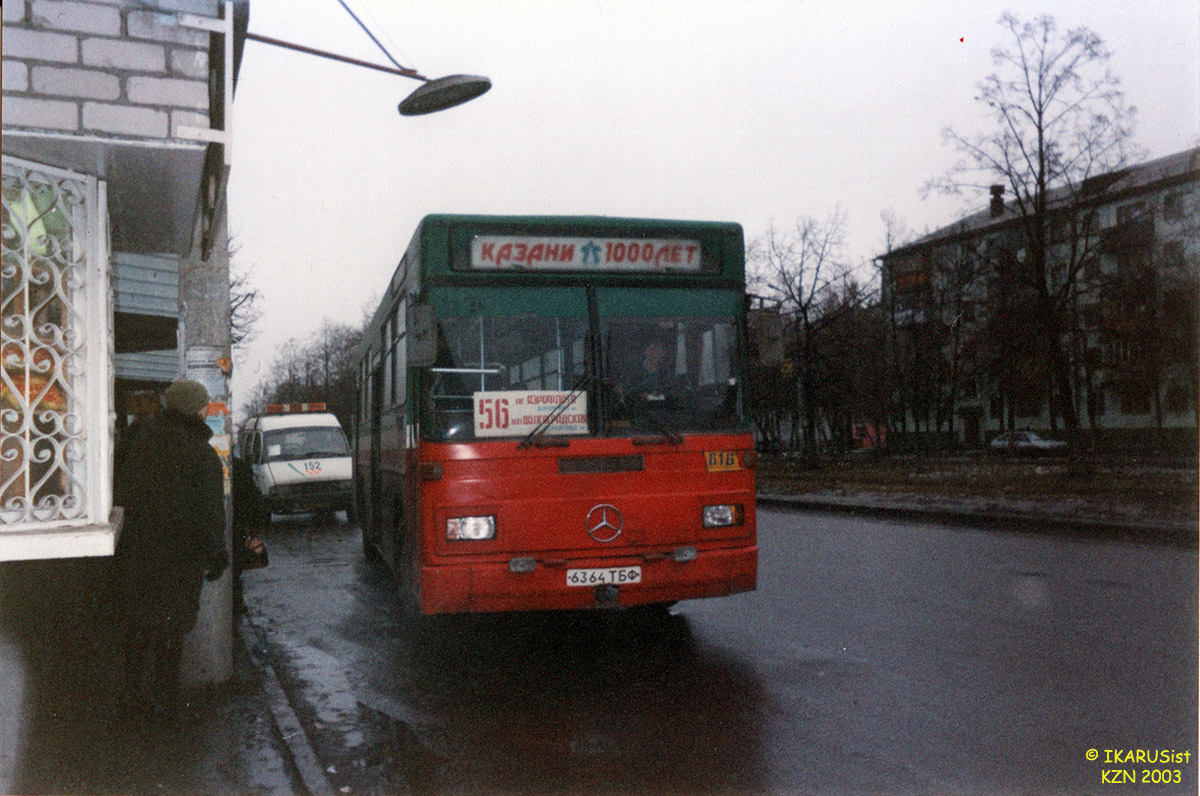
651	383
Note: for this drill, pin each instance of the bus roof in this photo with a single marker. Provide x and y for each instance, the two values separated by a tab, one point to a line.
590	222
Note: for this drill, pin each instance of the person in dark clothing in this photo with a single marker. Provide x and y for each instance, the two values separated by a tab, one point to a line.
169	480
653	378
244	503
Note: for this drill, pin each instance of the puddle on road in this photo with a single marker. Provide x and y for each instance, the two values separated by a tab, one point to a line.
327	691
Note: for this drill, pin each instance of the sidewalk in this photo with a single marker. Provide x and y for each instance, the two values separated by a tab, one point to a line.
1063	517
1143	499
60	660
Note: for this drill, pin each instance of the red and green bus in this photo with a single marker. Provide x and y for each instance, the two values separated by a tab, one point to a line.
550	415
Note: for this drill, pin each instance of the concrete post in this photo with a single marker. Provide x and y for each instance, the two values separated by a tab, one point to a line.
204	315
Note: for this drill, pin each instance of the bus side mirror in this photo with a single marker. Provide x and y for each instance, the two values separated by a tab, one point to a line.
422	336
766	331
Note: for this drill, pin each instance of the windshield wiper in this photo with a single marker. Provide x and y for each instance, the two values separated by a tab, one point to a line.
533	437
673	436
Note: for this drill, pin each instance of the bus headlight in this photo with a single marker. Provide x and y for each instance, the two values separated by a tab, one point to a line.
471	528
722	516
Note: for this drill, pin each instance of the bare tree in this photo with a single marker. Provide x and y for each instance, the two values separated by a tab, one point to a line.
1060	119
854	385
895	231
244	298
256	404
319	370
334	348
895	235
800	269
957	277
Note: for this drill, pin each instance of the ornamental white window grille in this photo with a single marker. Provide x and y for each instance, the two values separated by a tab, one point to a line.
55	351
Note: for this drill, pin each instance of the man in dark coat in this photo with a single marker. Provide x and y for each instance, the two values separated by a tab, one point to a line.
170	482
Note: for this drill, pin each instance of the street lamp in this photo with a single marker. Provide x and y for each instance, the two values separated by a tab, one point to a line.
442	93
434	95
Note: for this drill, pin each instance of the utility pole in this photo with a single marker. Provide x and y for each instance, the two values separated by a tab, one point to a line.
204	316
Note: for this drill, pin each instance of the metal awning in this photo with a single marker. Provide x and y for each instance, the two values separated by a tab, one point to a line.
153	187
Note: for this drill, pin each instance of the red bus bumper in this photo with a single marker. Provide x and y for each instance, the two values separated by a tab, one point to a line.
492	586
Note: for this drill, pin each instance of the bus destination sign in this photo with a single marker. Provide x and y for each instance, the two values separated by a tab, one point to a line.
508	412
584	254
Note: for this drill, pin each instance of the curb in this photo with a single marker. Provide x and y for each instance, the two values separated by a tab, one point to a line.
286	720
1077	527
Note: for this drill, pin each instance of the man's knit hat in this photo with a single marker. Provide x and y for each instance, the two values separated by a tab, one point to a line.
186	397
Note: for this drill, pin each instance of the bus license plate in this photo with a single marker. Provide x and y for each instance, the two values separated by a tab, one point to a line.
612	576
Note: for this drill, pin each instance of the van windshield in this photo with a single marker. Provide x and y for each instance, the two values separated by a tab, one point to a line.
304	442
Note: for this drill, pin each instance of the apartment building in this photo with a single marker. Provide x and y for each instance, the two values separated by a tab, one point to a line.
1097	341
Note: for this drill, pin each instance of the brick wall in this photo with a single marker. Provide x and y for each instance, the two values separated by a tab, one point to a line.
105	67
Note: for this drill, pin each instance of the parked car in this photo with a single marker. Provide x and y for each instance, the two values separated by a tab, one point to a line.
1026	442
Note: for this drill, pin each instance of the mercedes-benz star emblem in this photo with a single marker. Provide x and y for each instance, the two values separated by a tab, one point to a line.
604	522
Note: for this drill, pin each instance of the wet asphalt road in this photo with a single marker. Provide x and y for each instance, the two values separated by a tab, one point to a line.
875	657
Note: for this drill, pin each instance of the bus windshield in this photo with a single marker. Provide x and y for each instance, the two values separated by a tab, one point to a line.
304	442
670	374
654	375
502	354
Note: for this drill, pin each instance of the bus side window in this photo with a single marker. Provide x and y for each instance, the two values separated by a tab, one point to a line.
398	361
388	363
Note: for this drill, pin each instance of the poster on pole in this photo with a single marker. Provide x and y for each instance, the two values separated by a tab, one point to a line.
202	364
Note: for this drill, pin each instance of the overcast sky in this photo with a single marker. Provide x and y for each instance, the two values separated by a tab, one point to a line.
757	112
